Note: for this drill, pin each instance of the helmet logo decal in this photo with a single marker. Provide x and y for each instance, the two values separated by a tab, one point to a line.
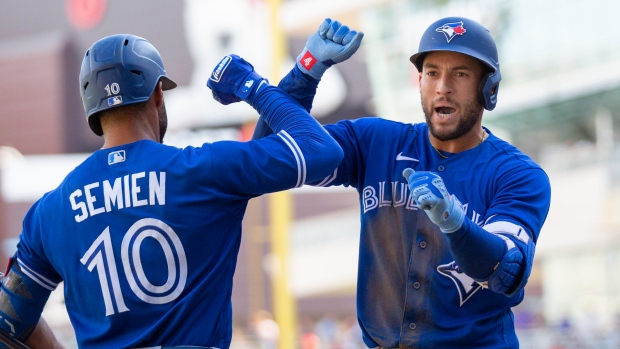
450	30
115	100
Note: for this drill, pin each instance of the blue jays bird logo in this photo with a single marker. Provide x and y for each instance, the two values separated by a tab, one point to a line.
450	30
464	284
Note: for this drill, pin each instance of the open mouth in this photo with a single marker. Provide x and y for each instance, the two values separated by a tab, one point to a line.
444	111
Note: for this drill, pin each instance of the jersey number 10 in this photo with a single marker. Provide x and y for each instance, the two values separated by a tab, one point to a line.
100	256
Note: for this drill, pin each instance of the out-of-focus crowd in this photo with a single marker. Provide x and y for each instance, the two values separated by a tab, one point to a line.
331	332
327	332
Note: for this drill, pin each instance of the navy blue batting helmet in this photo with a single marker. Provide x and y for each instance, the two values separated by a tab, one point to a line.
463	35
119	70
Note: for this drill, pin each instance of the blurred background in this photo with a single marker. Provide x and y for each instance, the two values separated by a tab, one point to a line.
295	282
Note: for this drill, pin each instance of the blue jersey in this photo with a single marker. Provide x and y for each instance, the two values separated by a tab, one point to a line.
410	291
145	236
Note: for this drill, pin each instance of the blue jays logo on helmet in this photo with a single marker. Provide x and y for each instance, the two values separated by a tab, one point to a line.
450	30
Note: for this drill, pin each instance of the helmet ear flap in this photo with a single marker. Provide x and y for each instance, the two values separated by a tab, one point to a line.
489	86
481	90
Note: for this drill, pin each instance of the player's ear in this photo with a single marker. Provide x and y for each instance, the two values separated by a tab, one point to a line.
158	94
420	81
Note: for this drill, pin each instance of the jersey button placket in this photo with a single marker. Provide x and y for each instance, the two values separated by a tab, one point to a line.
441	168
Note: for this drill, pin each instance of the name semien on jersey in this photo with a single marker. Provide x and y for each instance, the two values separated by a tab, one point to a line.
122	192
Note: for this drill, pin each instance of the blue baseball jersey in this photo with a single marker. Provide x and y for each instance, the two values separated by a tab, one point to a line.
410	291
145	236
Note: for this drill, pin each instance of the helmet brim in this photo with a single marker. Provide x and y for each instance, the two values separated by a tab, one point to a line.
167	83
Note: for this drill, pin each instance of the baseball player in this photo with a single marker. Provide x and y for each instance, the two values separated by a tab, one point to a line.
145	236
450	213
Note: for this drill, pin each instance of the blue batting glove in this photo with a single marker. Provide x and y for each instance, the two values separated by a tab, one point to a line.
431	194
332	43
234	80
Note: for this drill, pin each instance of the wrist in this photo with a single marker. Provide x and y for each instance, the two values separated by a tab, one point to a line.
299	73
455	218
252	86
309	65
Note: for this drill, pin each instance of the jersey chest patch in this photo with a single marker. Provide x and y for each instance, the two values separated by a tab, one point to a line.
464	284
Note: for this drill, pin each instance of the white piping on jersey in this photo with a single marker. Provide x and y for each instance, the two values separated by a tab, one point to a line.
506	228
299	157
328	179
39	279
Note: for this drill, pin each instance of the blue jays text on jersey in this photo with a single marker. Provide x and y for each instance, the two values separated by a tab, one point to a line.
410	291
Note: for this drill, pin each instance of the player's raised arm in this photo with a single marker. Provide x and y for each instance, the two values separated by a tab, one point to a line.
331	44
317	153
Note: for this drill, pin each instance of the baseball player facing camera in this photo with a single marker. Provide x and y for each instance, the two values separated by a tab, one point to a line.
145	236
450	213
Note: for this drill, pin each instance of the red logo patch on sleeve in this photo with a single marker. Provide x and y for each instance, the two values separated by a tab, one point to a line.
308	60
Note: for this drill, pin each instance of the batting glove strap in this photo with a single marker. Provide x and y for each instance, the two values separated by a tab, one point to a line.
309	64
254	84
454	217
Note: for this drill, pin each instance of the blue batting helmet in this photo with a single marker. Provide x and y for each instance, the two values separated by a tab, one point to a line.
462	35
119	70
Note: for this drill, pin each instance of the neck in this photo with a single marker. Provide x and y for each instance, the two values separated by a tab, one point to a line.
128	130
118	139
463	143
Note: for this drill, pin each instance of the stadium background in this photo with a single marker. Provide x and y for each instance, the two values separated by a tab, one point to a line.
559	102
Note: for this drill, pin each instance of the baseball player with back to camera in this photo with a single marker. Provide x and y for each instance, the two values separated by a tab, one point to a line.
450	213
145	236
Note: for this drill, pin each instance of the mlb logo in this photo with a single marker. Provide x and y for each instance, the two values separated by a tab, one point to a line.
116	100
116	156
246	89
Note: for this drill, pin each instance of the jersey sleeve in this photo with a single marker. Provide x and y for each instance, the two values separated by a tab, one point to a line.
516	215
301	87
523	198
299	152
31	254
356	138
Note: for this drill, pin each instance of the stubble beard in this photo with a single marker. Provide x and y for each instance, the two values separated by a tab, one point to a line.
471	115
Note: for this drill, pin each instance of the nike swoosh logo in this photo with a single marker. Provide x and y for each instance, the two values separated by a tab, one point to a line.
400	157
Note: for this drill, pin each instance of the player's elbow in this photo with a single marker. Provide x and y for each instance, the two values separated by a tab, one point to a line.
511	274
333	154
325	157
